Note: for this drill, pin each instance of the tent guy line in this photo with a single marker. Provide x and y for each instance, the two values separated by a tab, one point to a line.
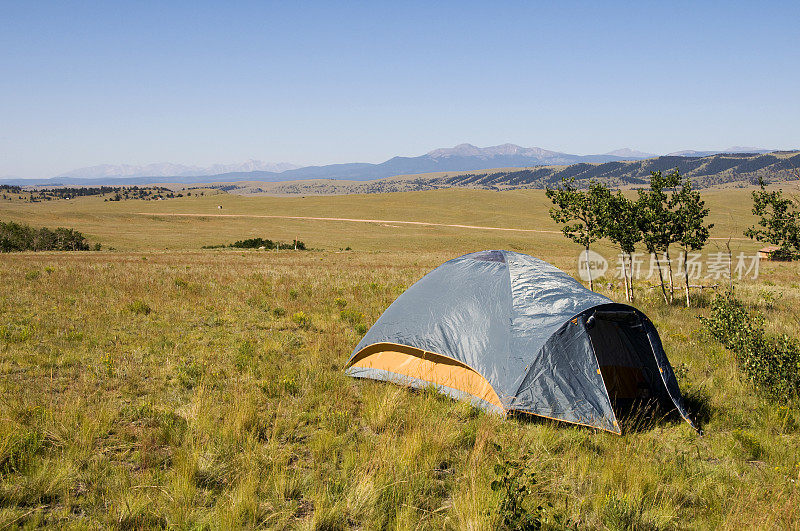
382	221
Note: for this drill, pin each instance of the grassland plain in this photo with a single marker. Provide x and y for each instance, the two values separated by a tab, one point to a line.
189	388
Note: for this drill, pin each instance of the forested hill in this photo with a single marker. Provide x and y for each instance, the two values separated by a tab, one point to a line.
705	171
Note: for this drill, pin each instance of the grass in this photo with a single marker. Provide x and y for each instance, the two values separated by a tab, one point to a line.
188	388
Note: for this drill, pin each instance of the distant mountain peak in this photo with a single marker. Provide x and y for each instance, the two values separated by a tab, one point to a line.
462	150
502	150
168	169
628	152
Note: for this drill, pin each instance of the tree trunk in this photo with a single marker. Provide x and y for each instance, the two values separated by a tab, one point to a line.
630	265
589	270
671	283
661	279
686	275
625	278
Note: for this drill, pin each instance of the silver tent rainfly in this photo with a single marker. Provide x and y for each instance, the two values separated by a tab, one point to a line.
512	333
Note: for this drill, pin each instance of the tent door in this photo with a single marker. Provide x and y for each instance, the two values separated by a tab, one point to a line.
626	359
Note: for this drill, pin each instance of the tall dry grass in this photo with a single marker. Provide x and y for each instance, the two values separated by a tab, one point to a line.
180	389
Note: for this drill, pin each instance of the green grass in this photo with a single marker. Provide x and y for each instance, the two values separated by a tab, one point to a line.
194	388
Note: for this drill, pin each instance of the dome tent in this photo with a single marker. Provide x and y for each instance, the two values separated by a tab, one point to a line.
510	332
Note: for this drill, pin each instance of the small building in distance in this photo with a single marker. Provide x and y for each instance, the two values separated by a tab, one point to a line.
768	253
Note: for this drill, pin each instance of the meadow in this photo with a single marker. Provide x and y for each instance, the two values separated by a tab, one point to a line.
161	385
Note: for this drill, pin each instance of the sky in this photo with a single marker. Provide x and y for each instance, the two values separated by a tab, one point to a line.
197	83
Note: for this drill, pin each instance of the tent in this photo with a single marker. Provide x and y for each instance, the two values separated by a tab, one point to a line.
512	333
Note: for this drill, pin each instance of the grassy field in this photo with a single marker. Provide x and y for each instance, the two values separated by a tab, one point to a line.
160	385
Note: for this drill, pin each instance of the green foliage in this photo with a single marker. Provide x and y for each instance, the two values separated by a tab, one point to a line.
620	222
779	220
771	362
580	211
515	484
22	237
688	217
656	217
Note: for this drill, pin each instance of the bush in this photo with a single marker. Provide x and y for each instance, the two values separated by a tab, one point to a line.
771	362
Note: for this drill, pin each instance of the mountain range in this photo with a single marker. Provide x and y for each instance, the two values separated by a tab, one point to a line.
732	169
167	169
463	157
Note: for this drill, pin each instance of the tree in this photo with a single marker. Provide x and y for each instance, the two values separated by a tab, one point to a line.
621	226
688	224
656	221
579	211
778	217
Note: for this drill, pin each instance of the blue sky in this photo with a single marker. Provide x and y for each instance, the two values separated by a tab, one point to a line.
200	83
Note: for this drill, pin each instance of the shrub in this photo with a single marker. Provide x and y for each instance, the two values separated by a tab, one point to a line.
301	319
771	362
254	243
515	483
278	312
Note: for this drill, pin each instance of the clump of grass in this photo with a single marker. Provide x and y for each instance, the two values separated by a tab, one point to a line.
107	362
139	307
278	311
190	374
290	385
33	274
245	354
352	317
